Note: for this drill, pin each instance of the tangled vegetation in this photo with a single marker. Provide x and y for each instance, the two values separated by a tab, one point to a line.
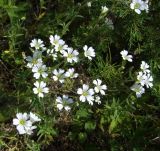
81	75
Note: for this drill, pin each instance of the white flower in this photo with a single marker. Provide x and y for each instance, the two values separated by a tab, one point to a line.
40	88
148	81
22	122
58	75
34	118
35	59
64	102
145	79
70	73
34	62
55	40
140	77
86	94
61	46
37	44
145	67
58	43
99	88
104	9
29	130
125	55
138	89
89	52
89	4
39	70
97	100
71	55
145	6
138	6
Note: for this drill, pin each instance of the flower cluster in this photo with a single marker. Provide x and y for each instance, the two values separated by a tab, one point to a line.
60	74
91	95
139	5
58	49
24	122
39	69
61	49
144	79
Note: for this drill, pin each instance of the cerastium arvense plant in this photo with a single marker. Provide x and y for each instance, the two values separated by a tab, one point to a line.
78	85
66	57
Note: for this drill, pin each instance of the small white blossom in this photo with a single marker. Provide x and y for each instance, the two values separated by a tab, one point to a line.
139	5
104	9
99	88
97	100
70	73
148	81
61	46
145	79
34	62
145	6
39	70
145	67
36	59
71	55
22	122
138	89
89	52
58	43
40	88
37	44
125	55
34	118
64	102
29	130
58	75
140	77
86	94
55	40
89	4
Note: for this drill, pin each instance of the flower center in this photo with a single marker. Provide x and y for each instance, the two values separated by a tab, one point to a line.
22	122
60	47
39	90
70	55
40	70
137	6
56	42
34	61
60	76
98	87
37	45
85	93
